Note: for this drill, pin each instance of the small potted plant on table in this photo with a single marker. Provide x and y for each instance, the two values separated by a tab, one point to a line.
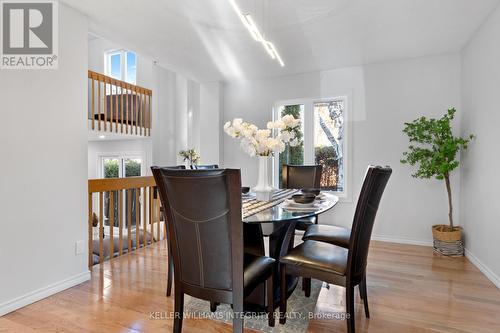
433	148
190	157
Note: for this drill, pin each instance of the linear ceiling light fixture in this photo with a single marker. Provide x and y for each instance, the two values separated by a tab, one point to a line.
249	23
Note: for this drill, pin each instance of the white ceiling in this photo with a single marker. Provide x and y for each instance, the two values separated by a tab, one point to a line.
205	40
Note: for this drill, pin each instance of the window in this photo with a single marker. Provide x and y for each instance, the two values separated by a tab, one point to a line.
329	142
324	139
122	65
292	155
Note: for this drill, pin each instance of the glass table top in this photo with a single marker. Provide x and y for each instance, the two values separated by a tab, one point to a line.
280	213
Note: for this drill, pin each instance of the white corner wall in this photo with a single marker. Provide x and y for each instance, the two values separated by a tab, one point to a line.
181	113
163	132
210	122
43	178
382	97
480	210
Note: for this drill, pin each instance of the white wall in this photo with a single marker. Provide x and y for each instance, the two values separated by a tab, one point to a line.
193	115
164	129
210	122
480	210
382	97
97	48
186	115
43	180
96	149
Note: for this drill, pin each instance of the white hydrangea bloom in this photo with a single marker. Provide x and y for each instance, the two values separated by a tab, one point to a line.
264	142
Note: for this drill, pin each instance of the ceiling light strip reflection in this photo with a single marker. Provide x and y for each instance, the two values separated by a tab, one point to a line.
254	31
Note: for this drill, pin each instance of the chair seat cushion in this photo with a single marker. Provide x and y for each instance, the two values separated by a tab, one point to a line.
303	224
329	234
318	256
256	270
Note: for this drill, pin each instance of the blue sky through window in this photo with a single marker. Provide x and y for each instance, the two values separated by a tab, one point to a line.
131	68
122	66
116	71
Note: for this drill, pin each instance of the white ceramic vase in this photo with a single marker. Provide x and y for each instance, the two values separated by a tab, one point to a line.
263	189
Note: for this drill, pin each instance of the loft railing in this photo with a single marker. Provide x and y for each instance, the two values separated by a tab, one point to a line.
123	215
117	106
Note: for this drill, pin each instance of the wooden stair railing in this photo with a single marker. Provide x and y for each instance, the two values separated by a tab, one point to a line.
121	193
118	106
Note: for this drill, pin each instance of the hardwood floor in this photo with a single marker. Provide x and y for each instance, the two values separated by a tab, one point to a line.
409	289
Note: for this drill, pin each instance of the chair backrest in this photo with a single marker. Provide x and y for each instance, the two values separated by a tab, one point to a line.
376	179
155	193
206	232
204	167
301	176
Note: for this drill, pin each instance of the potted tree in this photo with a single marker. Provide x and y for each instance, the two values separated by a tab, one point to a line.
433	149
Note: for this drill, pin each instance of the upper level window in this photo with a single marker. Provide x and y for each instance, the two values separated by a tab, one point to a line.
324	139
122	65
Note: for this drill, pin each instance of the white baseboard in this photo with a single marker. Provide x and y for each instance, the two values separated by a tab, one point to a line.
400	240
482	267
42	293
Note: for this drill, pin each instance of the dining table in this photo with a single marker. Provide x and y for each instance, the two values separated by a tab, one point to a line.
266	229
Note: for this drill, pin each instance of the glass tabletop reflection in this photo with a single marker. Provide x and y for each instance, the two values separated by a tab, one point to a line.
279	213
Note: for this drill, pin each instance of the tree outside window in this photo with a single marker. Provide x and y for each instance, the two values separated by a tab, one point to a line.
323	134
329	141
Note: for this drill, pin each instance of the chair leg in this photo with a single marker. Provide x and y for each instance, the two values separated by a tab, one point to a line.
306	286
282	294
179	310
364	293
349	304
238	318
270	301
213	306
170	273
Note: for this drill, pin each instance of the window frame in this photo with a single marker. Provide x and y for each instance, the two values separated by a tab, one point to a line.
123	64
121	157
309	124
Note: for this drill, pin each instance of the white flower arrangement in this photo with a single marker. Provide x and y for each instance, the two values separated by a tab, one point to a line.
264	142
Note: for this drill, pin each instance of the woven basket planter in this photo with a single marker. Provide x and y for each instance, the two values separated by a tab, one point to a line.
446	241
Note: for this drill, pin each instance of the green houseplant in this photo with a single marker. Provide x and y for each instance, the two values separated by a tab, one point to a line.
433	149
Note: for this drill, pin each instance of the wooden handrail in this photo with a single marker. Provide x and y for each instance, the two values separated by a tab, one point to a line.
121	194
120	107
101	77
115	184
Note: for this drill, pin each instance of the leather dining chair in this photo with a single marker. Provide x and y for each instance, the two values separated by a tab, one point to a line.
338	265
204	167
170	269
203	208
299	177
